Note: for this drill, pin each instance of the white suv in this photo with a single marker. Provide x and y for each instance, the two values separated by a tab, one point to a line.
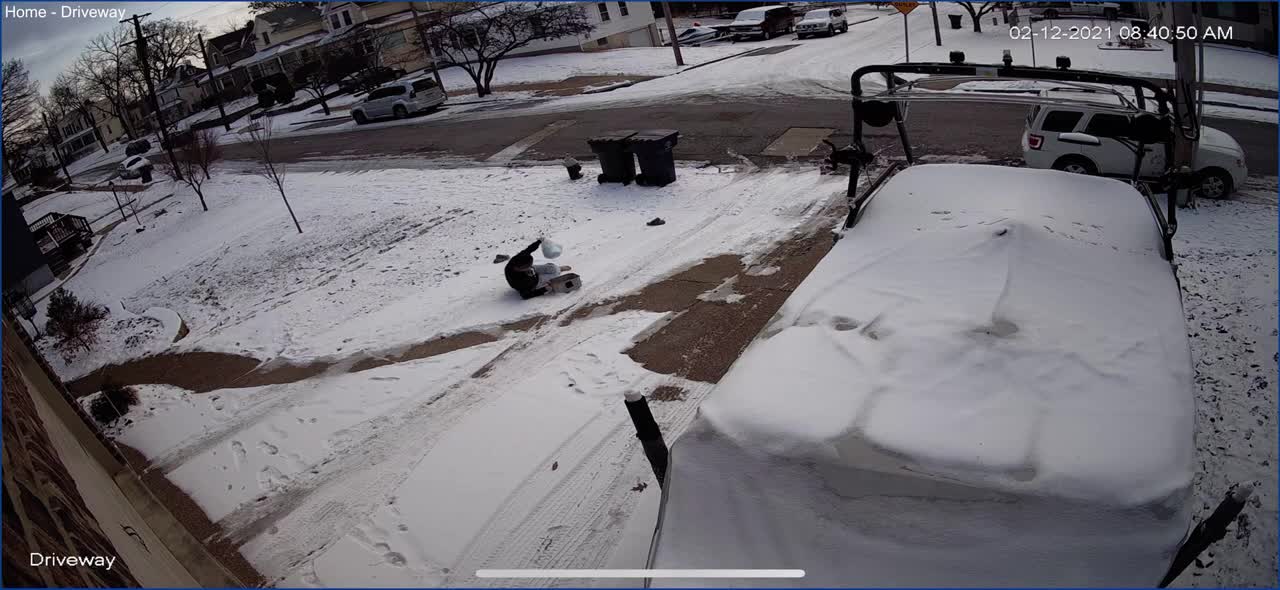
399	99
1219	159
825	21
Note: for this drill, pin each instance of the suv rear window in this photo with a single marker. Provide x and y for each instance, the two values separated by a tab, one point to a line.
426	84
385	92
1103	125
1061	121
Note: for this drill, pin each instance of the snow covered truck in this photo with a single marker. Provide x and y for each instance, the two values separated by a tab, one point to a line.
986	382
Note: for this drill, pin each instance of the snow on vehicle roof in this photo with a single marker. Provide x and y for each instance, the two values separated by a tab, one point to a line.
819	13
759	10
992	364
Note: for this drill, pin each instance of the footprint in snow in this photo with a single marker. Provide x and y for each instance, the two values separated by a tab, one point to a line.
268	448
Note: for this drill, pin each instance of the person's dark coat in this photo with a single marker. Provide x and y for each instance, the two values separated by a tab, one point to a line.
520	273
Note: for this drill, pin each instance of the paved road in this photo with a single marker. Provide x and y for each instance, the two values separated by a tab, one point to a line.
715	130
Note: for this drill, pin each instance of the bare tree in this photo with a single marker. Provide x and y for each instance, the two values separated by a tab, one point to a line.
171	42
20	93
477	38
260	143
192	162
976	11
260	7
105	70
314	77
67	95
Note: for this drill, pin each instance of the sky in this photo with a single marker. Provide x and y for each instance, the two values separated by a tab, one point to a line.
48	45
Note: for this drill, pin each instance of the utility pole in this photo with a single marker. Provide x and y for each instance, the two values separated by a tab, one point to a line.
141	41
53	143
937	32
671	31
213	84
1184	65
426	49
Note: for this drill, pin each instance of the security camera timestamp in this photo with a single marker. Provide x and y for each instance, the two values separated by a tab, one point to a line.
1121	33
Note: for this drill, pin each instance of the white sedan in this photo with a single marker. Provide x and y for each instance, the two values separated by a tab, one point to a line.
695	36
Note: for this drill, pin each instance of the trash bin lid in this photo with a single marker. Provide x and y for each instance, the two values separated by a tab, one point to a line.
619	135
656	135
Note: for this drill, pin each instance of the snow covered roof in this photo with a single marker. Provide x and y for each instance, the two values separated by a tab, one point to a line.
276	50
986	381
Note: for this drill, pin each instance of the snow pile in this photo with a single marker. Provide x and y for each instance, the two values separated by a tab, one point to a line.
968	373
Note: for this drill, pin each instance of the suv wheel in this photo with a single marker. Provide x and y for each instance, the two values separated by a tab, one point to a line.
360	118
1214	184
831	31
1075	165
400	111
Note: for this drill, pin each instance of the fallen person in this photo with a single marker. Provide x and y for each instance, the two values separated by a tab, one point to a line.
528	279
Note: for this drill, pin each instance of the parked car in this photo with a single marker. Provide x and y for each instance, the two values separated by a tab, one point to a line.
1219	159
824	21
1108	10
399	100
369	79
765	22
132	168
695	36
140	146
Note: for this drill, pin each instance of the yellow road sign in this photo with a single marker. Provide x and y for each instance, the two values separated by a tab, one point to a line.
905	7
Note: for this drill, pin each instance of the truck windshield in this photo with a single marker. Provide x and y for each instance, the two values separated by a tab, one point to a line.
751	15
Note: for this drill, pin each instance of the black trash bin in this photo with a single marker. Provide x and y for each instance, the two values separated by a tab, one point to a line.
955	20
616	163
653	148
145	174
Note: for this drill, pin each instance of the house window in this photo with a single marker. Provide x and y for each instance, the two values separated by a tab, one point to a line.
346	17
622	9
604	11
333	20
266	39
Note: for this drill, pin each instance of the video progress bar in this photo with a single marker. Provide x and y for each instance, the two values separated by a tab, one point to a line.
623	573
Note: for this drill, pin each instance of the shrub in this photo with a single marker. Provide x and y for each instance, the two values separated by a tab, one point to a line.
114	402
73	323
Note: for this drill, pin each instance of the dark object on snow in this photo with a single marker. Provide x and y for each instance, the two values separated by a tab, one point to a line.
574	167
141	146
1209	531
145	175
655	449
114	402
616	162
520	273
501	258
654	149
656	221
955	20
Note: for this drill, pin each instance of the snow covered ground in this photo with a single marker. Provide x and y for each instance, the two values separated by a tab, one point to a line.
391	258
396	257
1227	263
